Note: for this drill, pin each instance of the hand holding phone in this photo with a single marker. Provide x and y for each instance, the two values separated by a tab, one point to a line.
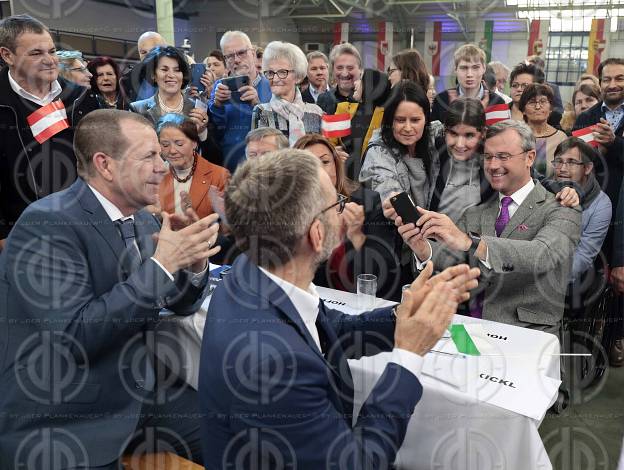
405	208
197	71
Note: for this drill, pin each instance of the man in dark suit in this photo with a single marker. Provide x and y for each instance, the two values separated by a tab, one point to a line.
274	382
608	117
83	277
318	77
523	240
36	154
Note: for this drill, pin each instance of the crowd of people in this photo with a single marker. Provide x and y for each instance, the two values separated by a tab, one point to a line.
117	186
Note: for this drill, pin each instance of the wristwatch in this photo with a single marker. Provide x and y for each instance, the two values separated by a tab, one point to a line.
476	239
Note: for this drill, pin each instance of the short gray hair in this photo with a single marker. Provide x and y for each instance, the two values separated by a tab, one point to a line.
262	132
228	35
270	203
66	58
317	55
498	66
527	138
13	26
344	48
276	50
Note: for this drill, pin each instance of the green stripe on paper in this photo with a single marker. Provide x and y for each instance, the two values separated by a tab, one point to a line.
463	341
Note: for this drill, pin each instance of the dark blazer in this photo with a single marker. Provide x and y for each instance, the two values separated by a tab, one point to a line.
618	229
306	96
267	390
442	101
609	170
30	170
67	293
380	254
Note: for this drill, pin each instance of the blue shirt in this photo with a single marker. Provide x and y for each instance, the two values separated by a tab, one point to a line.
232	122
613	116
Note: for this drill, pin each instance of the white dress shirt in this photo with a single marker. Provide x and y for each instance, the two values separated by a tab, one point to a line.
55	90
306	303
315	93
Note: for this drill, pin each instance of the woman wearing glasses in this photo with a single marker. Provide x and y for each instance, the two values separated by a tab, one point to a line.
521	77
285	65
536	104
72	67
371	244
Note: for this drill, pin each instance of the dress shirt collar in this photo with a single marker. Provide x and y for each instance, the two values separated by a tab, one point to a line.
606	109
315	93
111	209
256	81
55	90
462	92
306	302
520	195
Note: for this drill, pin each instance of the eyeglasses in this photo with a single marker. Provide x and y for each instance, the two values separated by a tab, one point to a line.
559	163
281	74
542	103
79	69
522	86
240	54
342	201
502	157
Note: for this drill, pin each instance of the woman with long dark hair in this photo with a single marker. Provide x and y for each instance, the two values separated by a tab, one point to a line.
401	156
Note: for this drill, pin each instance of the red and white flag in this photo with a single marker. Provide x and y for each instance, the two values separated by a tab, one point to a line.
496	113
336	125
587	135
48	121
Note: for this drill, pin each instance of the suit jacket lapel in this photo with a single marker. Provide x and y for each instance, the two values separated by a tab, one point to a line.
536	196
98	218
199	184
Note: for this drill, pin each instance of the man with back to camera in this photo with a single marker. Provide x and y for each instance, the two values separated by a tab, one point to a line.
231	111
523	237
291	400
38	113
83	278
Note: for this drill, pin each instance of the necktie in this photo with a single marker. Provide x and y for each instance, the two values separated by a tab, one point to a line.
503	218
133	255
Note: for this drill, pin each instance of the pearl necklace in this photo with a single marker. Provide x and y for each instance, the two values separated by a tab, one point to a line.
166	109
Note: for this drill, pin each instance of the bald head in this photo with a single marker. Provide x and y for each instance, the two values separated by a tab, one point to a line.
148	41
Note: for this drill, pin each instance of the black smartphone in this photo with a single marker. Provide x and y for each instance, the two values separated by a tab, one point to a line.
235	83
405	207
197	70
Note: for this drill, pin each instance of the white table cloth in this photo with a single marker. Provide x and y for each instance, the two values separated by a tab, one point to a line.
455	425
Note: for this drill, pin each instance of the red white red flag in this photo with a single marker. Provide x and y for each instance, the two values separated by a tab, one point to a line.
336	125
496	113
48	121
586	134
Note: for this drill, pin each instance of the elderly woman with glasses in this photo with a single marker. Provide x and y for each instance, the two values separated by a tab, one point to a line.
536	104
73	68
285	65
371	244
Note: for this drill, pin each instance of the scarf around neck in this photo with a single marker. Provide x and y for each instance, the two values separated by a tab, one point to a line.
293	113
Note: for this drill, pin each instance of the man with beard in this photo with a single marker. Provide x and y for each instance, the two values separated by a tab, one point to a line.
608	118
274	382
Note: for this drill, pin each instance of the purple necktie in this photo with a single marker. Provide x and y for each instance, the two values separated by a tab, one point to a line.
476	306
503	217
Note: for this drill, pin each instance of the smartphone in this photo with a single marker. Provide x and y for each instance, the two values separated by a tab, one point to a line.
197	70
405	207
235	83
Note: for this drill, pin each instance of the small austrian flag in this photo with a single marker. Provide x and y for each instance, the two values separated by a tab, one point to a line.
336	125
586	134
48	121
496	113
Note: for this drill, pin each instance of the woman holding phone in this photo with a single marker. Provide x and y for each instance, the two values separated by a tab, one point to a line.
168	71
285	65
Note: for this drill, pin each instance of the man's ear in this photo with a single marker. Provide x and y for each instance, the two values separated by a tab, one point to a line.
7	55
316	235
531	154
588	168
102	165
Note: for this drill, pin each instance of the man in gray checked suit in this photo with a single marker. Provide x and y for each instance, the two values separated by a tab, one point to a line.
523	240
